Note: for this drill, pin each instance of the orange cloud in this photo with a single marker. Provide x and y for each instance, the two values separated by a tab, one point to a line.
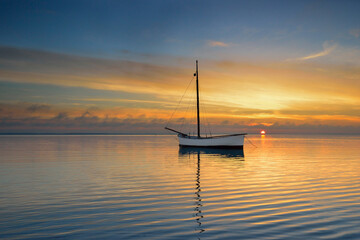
327	49
217	44
244	94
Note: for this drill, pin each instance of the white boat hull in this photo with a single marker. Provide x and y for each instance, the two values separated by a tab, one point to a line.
227	141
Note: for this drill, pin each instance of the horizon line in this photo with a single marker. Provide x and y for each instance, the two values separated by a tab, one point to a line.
161	134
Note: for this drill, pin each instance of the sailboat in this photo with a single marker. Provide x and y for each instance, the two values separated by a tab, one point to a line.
221	141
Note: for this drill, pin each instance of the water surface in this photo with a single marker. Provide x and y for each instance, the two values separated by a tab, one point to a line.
144	187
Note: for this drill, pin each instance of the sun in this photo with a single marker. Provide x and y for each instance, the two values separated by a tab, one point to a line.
262	132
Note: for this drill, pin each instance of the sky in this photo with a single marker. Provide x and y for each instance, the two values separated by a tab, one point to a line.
122	66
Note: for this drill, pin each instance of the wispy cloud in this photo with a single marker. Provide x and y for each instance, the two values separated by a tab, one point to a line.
355	32
33	66
15	118
288	93
217	44
327	49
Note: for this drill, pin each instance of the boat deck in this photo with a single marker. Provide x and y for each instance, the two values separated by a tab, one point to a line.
219	136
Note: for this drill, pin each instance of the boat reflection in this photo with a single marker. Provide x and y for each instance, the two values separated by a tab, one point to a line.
198	209
220	152
237	154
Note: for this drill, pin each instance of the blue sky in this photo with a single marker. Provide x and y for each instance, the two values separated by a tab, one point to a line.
274	64
105	28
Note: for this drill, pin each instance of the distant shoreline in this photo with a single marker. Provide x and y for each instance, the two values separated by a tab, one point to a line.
159	134
85	134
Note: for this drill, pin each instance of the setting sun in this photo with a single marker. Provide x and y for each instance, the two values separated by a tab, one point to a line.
262	132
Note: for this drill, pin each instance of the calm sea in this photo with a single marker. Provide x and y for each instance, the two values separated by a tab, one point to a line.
144	187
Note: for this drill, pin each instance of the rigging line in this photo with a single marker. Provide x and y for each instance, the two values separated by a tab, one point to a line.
206	119
183	119
190	103
202	126
192	117
179	101
250	141
206	124
185	116
202	115
193	112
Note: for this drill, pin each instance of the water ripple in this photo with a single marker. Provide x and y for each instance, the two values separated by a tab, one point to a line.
143	187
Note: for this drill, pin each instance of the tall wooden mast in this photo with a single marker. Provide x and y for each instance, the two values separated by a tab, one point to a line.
197	98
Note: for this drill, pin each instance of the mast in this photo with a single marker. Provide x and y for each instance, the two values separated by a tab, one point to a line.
197	99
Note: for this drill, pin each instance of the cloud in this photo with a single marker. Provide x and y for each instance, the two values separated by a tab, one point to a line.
61	115
38	107
33	66
241	93
86	123
355	32
217	44
89	124
327	49
16	118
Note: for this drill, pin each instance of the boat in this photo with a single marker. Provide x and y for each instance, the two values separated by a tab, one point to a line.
221	141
